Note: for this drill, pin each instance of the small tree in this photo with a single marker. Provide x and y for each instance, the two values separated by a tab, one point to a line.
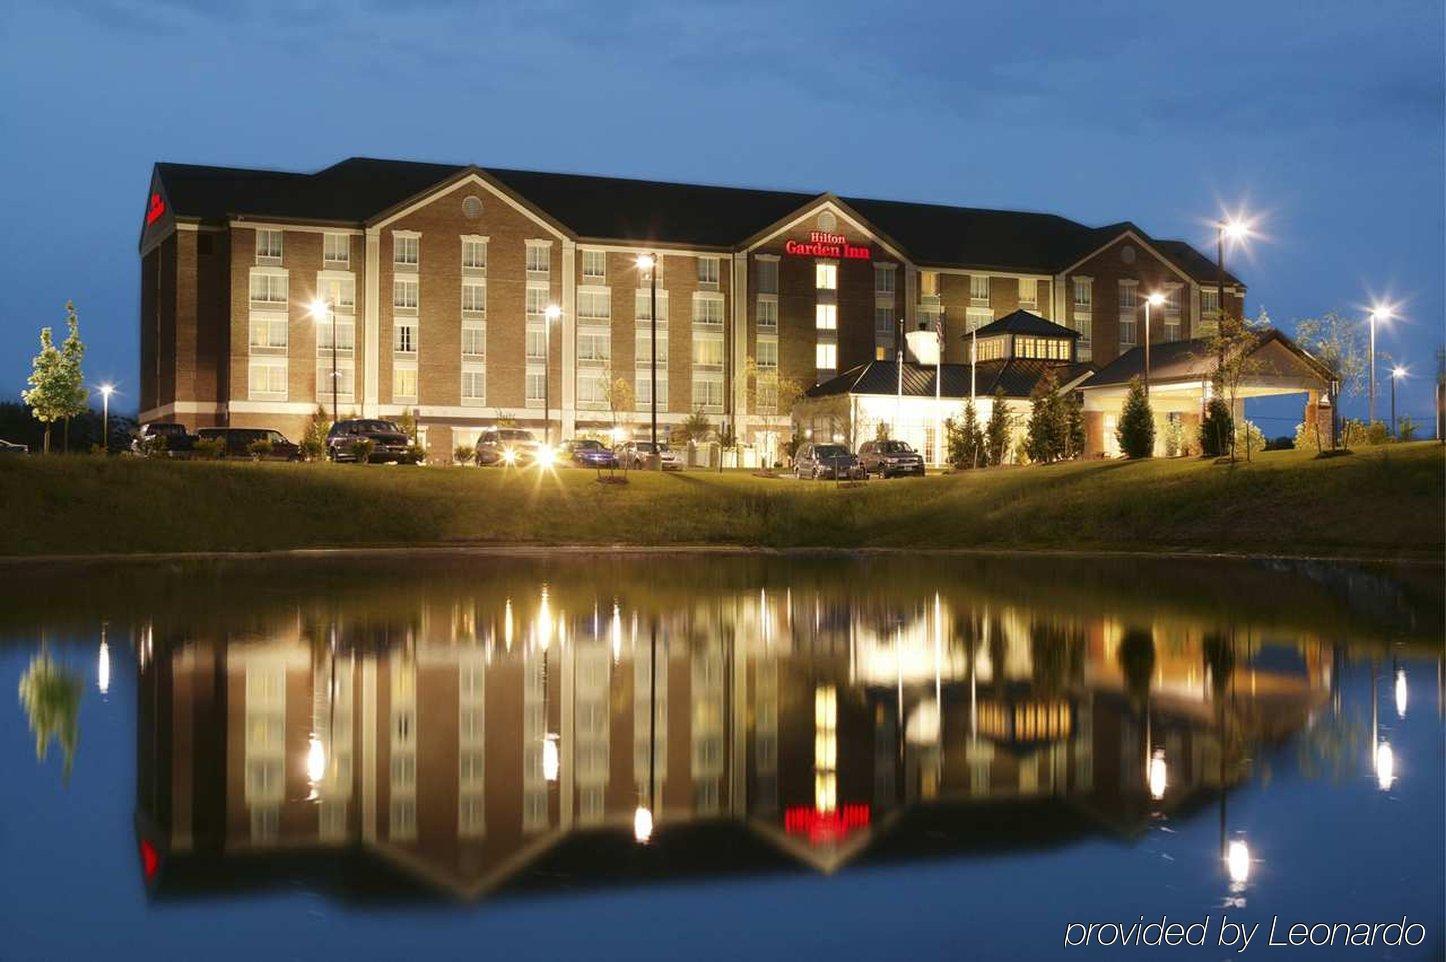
57	389
1232	345
1216	428
1339	344
998	428
697	427
407	424
621	397
1045	438
964	438
1174	439
881	427
1406	429
313	441
72	353
1136	430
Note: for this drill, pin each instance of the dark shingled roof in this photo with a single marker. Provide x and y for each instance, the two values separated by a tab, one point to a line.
360	189
1016	376
1024	322
1185	361
1192	262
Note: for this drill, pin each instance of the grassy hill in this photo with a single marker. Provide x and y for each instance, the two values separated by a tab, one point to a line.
1379	502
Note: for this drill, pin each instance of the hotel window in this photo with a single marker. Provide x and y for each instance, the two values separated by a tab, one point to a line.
474	297
708	351
1028	293
592	389
825	317
404	337
643	388
345	328
536	304
708	309
268	287
536	387
474	385
643	306
269	330
708	393
268	245
406	250
884	327
644	350
337	289
826	357
594	266
1044	348
1172	313
594	304
766	395
539	258
767	271
1129	305
404	294
1083	294
884	280
474	339
979	290
536	344
767	312
474	253
645	274
928	283
989	349
404	382
1209	300
266	378
825	276
767	354
336	250
594	346
708	273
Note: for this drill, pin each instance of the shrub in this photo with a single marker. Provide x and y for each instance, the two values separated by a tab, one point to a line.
259	448
209	449
1356	433
1377	433
464	453
997	430
154	446
1216	428
417	452
965	439
313	441
1136	431
1174	438
1305	437
1249	438
1406	429
362	449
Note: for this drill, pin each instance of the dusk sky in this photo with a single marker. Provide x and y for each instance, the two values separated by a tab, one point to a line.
1324	119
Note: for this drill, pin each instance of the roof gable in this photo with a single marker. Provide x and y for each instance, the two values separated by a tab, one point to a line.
1024	322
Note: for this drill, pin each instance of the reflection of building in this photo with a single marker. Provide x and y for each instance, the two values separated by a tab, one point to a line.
780	728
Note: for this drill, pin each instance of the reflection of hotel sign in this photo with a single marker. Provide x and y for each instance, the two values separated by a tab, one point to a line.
823	244
154	211
823	827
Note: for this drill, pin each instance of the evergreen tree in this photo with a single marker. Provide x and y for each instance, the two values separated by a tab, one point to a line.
996	431
72	353
1044	439
1217	428
965	439
1136	432
1074	427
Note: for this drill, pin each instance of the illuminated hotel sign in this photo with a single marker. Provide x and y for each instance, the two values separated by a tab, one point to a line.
154	211
823	244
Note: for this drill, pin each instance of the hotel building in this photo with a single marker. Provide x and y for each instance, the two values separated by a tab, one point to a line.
439	278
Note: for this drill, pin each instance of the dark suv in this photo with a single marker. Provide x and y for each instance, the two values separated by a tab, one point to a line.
890	459
238	443
389	442
176	437
826	461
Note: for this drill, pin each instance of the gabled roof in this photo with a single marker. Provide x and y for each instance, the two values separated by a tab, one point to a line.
1192	262
1024	322
1191	360
1017	377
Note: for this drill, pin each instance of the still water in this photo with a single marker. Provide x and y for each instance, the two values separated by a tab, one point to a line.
681	756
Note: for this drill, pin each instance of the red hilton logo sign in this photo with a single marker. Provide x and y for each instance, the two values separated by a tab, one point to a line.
155	209
823	244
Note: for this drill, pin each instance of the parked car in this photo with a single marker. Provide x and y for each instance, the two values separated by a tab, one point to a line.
389	442
239	441
826	461
10	447
178	439
506	446
890	459
640	454
588	453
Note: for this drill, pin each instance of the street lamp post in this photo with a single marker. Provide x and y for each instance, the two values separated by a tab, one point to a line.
1151	300
1397	373
106	390
1380	312
649	263
321	310
550	315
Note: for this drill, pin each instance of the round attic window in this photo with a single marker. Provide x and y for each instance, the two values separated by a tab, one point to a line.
1127	254
472	207
827	221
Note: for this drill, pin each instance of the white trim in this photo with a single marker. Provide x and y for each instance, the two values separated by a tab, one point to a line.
1139	240
371	380
248	406
243	223
471	179
812	209
179	407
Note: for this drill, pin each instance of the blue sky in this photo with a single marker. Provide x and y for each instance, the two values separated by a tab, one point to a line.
1325	119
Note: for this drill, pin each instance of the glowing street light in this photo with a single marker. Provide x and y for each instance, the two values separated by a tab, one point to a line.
1157	777
106	390
1397	373
1379	313
1237	861
1385	765
1236	229
1152	300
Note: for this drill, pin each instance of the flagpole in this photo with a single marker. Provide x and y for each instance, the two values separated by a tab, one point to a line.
899	366
939	388
973	361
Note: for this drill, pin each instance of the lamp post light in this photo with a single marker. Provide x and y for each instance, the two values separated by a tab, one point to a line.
1397	373
1379	312
1235	230
1151	300
321	309
549	316
106	390
649	263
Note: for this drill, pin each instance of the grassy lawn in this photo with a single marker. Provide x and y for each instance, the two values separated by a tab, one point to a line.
1385	502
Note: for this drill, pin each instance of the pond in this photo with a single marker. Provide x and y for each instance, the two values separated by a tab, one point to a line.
713	756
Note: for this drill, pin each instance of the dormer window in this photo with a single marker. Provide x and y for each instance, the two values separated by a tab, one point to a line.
1042	348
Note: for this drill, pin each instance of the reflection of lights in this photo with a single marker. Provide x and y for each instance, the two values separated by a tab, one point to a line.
922	726
507	624
642	825
509	456
1385	766
550	762
1400	693
315	760
1237	861
619	435
102	668
544	621
150	859
1157	774
825	748
546	456
616	632
825	827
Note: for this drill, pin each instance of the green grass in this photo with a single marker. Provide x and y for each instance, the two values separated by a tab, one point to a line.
1380	502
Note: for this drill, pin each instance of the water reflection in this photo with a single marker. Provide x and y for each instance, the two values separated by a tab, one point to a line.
530	727
50	696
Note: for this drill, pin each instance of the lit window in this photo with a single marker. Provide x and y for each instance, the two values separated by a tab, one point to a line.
338	290
883	279
708	392
474	296
267	377
344	380
1028	292
708	272
404	384
594	305
268	244
979	289
404	338
826	317
594	265
406	250
708	351
474	340
269	330
826	356
767	354
539	259
767	313
825	276
474	253
268	288
344	327
708	309
404	294
336	250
